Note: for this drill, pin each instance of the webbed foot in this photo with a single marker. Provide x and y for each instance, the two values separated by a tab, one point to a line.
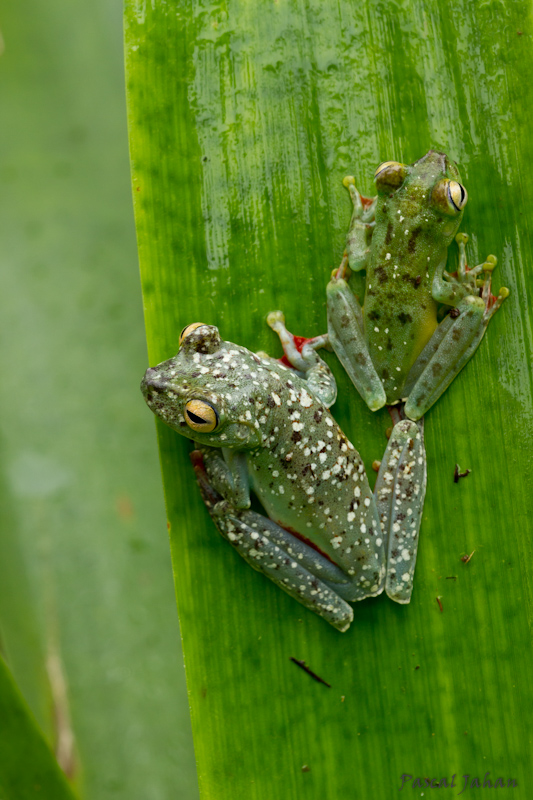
459	334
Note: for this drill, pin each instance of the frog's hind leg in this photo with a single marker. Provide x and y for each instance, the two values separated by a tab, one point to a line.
346	335
345	315
288	562
400	491
301	355
458	335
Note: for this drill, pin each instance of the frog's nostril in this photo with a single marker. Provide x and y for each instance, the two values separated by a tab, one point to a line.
152	382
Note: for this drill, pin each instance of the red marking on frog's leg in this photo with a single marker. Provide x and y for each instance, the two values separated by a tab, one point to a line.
306	541
366	201
293	345
299	342
209	495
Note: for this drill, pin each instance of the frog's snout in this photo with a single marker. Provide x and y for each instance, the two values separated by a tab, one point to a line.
152	383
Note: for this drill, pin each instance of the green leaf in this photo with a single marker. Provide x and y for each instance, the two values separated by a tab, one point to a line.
244	118
27	767
88	623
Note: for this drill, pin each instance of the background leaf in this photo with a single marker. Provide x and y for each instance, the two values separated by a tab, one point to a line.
244	118
27	768
87	615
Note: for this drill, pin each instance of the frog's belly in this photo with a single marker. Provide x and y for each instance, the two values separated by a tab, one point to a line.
396	339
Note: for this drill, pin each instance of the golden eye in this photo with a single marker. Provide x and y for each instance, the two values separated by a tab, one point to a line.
390	175
200	416
457	194
450	197
189	329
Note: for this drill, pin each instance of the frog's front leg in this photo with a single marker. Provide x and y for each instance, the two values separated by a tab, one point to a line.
458	335
305	360
361	226
291	564
399	492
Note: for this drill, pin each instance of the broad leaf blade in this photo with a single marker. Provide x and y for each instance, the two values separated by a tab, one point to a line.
244	118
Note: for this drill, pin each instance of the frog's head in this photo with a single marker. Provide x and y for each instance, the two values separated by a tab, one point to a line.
430	190
206	392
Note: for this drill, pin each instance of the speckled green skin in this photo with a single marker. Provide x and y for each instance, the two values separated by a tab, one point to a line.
410	240
329	541
402	241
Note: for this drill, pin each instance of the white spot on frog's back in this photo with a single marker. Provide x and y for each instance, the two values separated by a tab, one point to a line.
305	399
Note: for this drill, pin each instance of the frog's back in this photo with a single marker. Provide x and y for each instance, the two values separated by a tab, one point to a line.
410	240
312	482
400	315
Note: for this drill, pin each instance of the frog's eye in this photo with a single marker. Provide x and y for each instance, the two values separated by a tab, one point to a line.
200	416
449	196
457	195
189	329
390	175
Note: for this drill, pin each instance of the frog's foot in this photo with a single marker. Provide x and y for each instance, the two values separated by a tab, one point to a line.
361	226
288	562
345	330
343	271
301	355
458	335
364	207
399	492
452	287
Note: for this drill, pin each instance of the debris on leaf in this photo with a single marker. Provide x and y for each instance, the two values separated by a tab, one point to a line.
458	474
310	672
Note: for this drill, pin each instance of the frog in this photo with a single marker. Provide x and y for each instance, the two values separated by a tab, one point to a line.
262	426
396	348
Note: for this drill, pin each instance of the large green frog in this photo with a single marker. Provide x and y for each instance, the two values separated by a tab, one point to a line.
393	348
265	427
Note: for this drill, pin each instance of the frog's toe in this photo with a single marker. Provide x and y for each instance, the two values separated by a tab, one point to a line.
275	318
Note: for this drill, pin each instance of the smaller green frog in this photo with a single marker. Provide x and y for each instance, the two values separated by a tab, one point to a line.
264	426
393	348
